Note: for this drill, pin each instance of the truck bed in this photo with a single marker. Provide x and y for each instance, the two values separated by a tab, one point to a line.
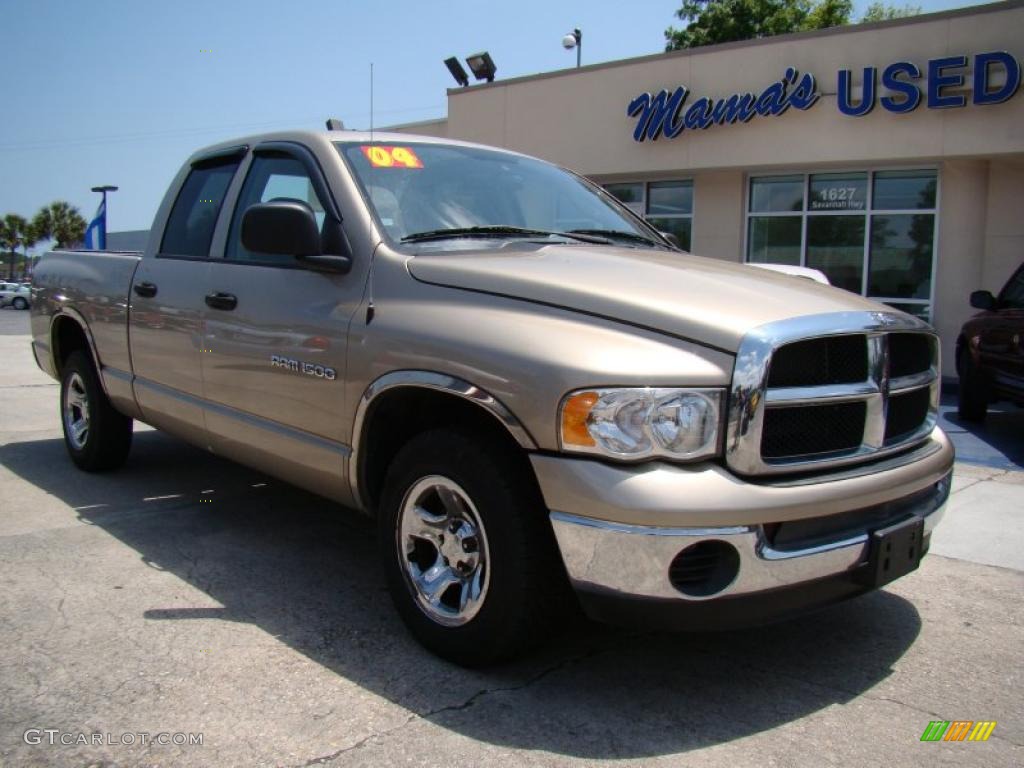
93	285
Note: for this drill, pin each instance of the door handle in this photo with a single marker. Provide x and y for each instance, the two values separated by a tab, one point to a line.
219	300
145	290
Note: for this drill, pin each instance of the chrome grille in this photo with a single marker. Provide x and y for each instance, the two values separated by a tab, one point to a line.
830	390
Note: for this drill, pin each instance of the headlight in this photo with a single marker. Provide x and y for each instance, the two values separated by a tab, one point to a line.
631	424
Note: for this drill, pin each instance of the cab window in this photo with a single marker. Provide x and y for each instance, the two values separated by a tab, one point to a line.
270	178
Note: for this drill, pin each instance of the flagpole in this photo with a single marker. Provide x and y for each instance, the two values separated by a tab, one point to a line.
103	224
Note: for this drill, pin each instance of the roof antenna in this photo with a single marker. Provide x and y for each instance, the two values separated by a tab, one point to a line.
370	310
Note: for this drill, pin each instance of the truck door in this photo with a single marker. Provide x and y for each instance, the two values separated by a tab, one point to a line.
276	335
166	336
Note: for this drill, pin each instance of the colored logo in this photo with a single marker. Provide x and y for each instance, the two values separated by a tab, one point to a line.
958	730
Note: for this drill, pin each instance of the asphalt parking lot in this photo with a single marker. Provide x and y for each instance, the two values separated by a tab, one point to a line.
187	595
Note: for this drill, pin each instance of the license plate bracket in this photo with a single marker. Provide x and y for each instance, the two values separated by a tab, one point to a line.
894	551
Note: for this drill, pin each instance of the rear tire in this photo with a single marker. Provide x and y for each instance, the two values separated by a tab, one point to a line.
469	554
20	303
96	436
972	396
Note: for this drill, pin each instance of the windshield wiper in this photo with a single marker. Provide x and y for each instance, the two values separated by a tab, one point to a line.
616	234
500	230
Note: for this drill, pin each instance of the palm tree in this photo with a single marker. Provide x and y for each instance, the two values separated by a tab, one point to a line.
32	236
60	221
14	232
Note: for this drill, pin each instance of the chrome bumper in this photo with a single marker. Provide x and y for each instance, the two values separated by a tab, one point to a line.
633	560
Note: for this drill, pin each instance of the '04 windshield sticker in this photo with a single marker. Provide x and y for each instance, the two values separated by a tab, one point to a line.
391	157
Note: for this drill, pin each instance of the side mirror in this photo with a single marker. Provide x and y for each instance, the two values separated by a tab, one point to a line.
289	227
983	300
281	226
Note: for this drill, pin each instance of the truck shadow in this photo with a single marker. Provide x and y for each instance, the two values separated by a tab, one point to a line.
997	442
305	571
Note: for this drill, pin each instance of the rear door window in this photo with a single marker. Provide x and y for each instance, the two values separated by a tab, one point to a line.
189	229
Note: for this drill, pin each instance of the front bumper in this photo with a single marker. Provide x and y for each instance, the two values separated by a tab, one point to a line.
621	531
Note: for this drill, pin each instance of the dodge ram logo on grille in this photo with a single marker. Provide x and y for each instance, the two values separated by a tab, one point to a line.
301	366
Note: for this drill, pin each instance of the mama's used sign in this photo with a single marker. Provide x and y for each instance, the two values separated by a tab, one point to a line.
899	89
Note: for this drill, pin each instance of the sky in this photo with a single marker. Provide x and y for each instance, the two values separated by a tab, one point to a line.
123	91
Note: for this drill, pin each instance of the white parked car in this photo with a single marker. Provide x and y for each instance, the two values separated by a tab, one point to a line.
15	295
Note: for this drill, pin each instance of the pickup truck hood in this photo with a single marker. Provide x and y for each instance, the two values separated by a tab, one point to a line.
705	300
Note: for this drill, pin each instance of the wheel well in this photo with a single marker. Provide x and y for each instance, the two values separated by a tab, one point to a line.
67	337
399	414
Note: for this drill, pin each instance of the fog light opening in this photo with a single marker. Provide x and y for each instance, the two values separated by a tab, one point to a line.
705	568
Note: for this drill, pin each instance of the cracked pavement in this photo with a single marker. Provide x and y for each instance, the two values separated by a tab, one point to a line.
258	618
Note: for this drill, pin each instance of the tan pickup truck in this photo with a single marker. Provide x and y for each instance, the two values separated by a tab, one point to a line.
528	386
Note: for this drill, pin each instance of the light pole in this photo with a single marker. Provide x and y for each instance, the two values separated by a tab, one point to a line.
572	40
103	225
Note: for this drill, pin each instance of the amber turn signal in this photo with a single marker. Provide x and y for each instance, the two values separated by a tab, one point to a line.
575	411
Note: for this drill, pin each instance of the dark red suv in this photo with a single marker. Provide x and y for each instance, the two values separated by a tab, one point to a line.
990	350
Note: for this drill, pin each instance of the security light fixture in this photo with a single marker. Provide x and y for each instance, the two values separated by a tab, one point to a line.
572	40
482	66
457	71
104	189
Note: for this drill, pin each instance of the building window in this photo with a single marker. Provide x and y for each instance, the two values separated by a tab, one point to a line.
872	233
666	205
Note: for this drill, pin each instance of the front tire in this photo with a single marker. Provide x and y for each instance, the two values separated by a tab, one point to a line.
972	397
20	303
96	436
469	554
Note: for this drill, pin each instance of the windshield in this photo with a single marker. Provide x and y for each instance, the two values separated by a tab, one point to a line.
426	192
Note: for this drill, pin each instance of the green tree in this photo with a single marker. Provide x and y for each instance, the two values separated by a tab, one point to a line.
883	12
14	233
829	13
59	221
32	237
723	21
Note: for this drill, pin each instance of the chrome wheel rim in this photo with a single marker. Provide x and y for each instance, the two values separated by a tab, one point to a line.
442	548
76	412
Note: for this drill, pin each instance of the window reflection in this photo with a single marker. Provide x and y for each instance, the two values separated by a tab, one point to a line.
680	227
774	240
901	256
904	190
670	197
835	245
777	193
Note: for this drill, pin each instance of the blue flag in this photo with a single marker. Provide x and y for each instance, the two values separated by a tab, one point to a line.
96	235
